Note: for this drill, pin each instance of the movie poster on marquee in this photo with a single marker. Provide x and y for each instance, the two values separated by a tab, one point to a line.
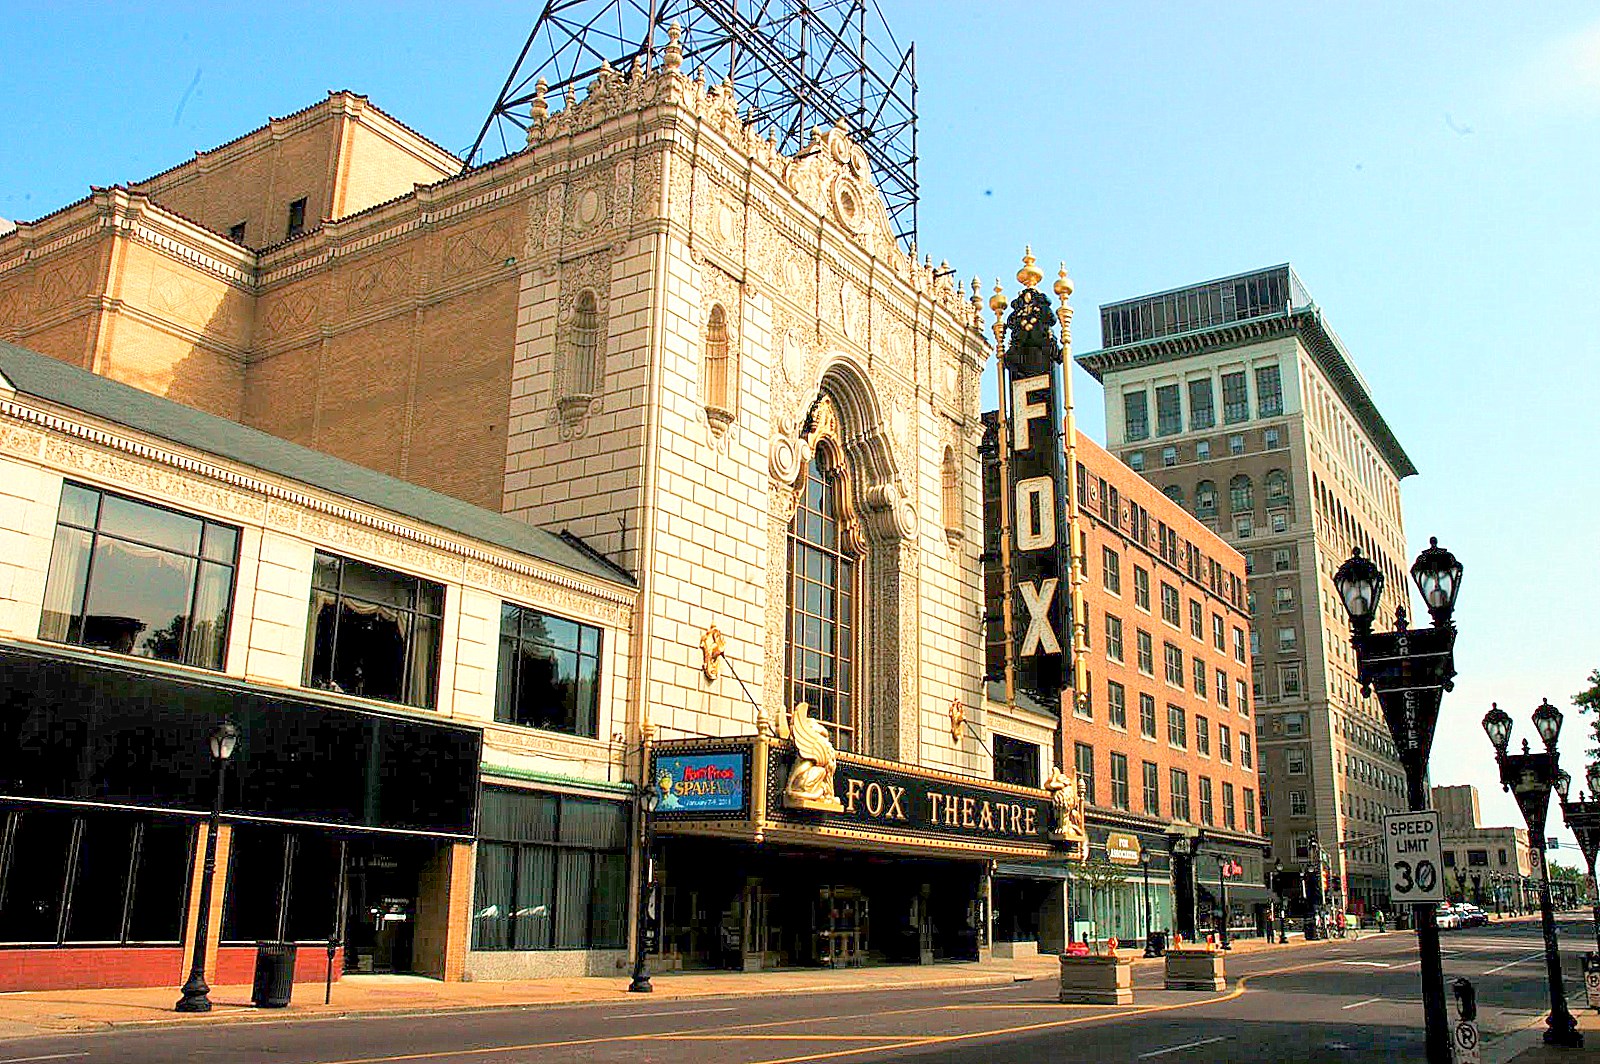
693	785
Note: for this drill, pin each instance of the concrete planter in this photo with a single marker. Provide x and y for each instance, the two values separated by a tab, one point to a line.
1016	950
1096	980
1190	968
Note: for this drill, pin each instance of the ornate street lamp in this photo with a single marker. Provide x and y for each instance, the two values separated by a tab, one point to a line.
1283	905
1530	777
196	992
1144	862
649	798
1410	670
1583	818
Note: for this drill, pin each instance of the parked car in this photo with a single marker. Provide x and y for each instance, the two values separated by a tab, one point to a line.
1471	915
1448	918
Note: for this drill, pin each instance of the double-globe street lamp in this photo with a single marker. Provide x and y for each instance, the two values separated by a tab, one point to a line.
1410	670
1530	777
1583	818
196	992
648	799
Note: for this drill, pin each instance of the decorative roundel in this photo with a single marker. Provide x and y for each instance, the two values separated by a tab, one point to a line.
586	212
794	274
787	458
727	227
849	203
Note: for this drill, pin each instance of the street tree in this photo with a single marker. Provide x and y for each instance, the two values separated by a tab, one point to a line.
1101	875
1588	701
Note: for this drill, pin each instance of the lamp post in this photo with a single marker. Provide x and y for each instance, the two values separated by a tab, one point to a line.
1144	862
1583	818
1410	671
196	992
1223	868
1530	777
1283	905
1477	888
1311	879
649	798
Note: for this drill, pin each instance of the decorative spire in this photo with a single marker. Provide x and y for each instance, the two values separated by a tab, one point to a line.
1063	285
1029	275
540	106
672	54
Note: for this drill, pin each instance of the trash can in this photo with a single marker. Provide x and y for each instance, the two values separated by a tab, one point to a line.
274	980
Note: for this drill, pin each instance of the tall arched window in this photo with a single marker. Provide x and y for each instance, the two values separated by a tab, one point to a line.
1277	487
579	373
954	527
821	648
1205	498
1241	495
720	373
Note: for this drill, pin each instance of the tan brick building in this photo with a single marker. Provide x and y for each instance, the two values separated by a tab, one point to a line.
651	330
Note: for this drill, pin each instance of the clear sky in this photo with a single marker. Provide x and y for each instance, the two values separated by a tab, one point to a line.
1431	169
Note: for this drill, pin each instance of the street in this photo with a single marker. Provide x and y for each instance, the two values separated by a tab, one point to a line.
1337	1000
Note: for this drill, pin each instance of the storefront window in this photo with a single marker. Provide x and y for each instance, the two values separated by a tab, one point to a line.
821	640
551	872
374	632
93	877
138	579
1016	761
549	672
283	885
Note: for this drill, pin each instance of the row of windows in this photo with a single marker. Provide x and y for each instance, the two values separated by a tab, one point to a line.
1202	408
1171	605
1177	724
295	223
1179	808
1172	454
134	578
1241	494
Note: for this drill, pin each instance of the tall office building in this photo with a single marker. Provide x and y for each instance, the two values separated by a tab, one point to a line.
1236	398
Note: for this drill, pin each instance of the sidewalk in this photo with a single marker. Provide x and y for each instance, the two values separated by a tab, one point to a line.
28	1013
1527	1045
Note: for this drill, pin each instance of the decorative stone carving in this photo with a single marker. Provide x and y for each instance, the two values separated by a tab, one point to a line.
810	784
1068	802
712	648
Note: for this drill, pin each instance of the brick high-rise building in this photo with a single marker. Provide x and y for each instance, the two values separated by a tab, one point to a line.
1236	398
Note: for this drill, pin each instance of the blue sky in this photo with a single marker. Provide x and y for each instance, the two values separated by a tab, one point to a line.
1430	169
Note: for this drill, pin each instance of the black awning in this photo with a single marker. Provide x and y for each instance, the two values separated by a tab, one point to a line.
79	727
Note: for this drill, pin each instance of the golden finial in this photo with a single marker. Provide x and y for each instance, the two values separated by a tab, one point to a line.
1029	275
1063	284
997	302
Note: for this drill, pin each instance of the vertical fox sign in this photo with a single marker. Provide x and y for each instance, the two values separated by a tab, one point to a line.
1037	500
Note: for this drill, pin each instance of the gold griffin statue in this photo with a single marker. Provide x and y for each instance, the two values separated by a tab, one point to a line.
810	784
1067	800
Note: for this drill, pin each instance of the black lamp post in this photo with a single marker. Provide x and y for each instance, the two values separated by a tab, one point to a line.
196	992
1223	864
649	798
1530	777
1410	671
1477	888
1283	905
1583	818
1144	862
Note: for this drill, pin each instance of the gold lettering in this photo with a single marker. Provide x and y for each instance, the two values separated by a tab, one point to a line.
851	789
1031	824
933	800
986	818
1016	818
895	794
966	812
874	799
952	811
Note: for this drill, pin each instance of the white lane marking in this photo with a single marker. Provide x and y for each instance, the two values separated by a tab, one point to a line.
52	1056
1358	1004
1519	960
650	1015
1186	1045
1368	964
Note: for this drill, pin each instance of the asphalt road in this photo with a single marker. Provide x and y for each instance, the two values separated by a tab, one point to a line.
1336	1001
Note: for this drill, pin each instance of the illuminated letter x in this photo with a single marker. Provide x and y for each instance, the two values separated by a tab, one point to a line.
1039	634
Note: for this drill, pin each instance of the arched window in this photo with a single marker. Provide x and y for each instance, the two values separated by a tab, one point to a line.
1277	487
1173	492
954	526
1205	498
579	374
821	644
1241	495
721	381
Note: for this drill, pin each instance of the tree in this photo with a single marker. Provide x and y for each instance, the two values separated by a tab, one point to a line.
1588	701
1101	875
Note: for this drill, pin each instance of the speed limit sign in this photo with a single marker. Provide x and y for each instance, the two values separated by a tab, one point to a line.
1415	857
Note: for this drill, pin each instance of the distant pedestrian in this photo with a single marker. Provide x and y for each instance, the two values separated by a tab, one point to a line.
1380	920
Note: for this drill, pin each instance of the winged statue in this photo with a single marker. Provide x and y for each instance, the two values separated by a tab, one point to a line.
810	784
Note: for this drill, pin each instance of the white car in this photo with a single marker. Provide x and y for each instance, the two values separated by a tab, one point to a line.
1448	919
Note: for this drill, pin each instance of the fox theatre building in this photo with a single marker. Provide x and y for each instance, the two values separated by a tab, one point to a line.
774	850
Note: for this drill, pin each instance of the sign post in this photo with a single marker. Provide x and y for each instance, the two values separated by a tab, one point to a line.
1416	857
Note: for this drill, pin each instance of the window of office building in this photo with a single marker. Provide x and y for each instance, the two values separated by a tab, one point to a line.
1295	761
1119	781
1288	639
1202	450
1281	561
1136	461
297	218
549	672
138	579
1177	727
1249	809
1170	604
1199	674
1152	789
1197	619
1169	415
1225	743
1015	761
1236	444
1243	697
552	872
1283	599
1244	750
1228	812
1271	439
1222	688
1141	588
1235	398
373	632
1297	803
1083	759
280	885
1147	716
1202	414
1169	458
1116	704
1241	495
1136	415
1219	632
1207	809
1178	782
1205	499
1174	663
1113	637
1111	570
1269	391
74	876
1277	484
1202	736
1144	649
1238	645
1255	635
